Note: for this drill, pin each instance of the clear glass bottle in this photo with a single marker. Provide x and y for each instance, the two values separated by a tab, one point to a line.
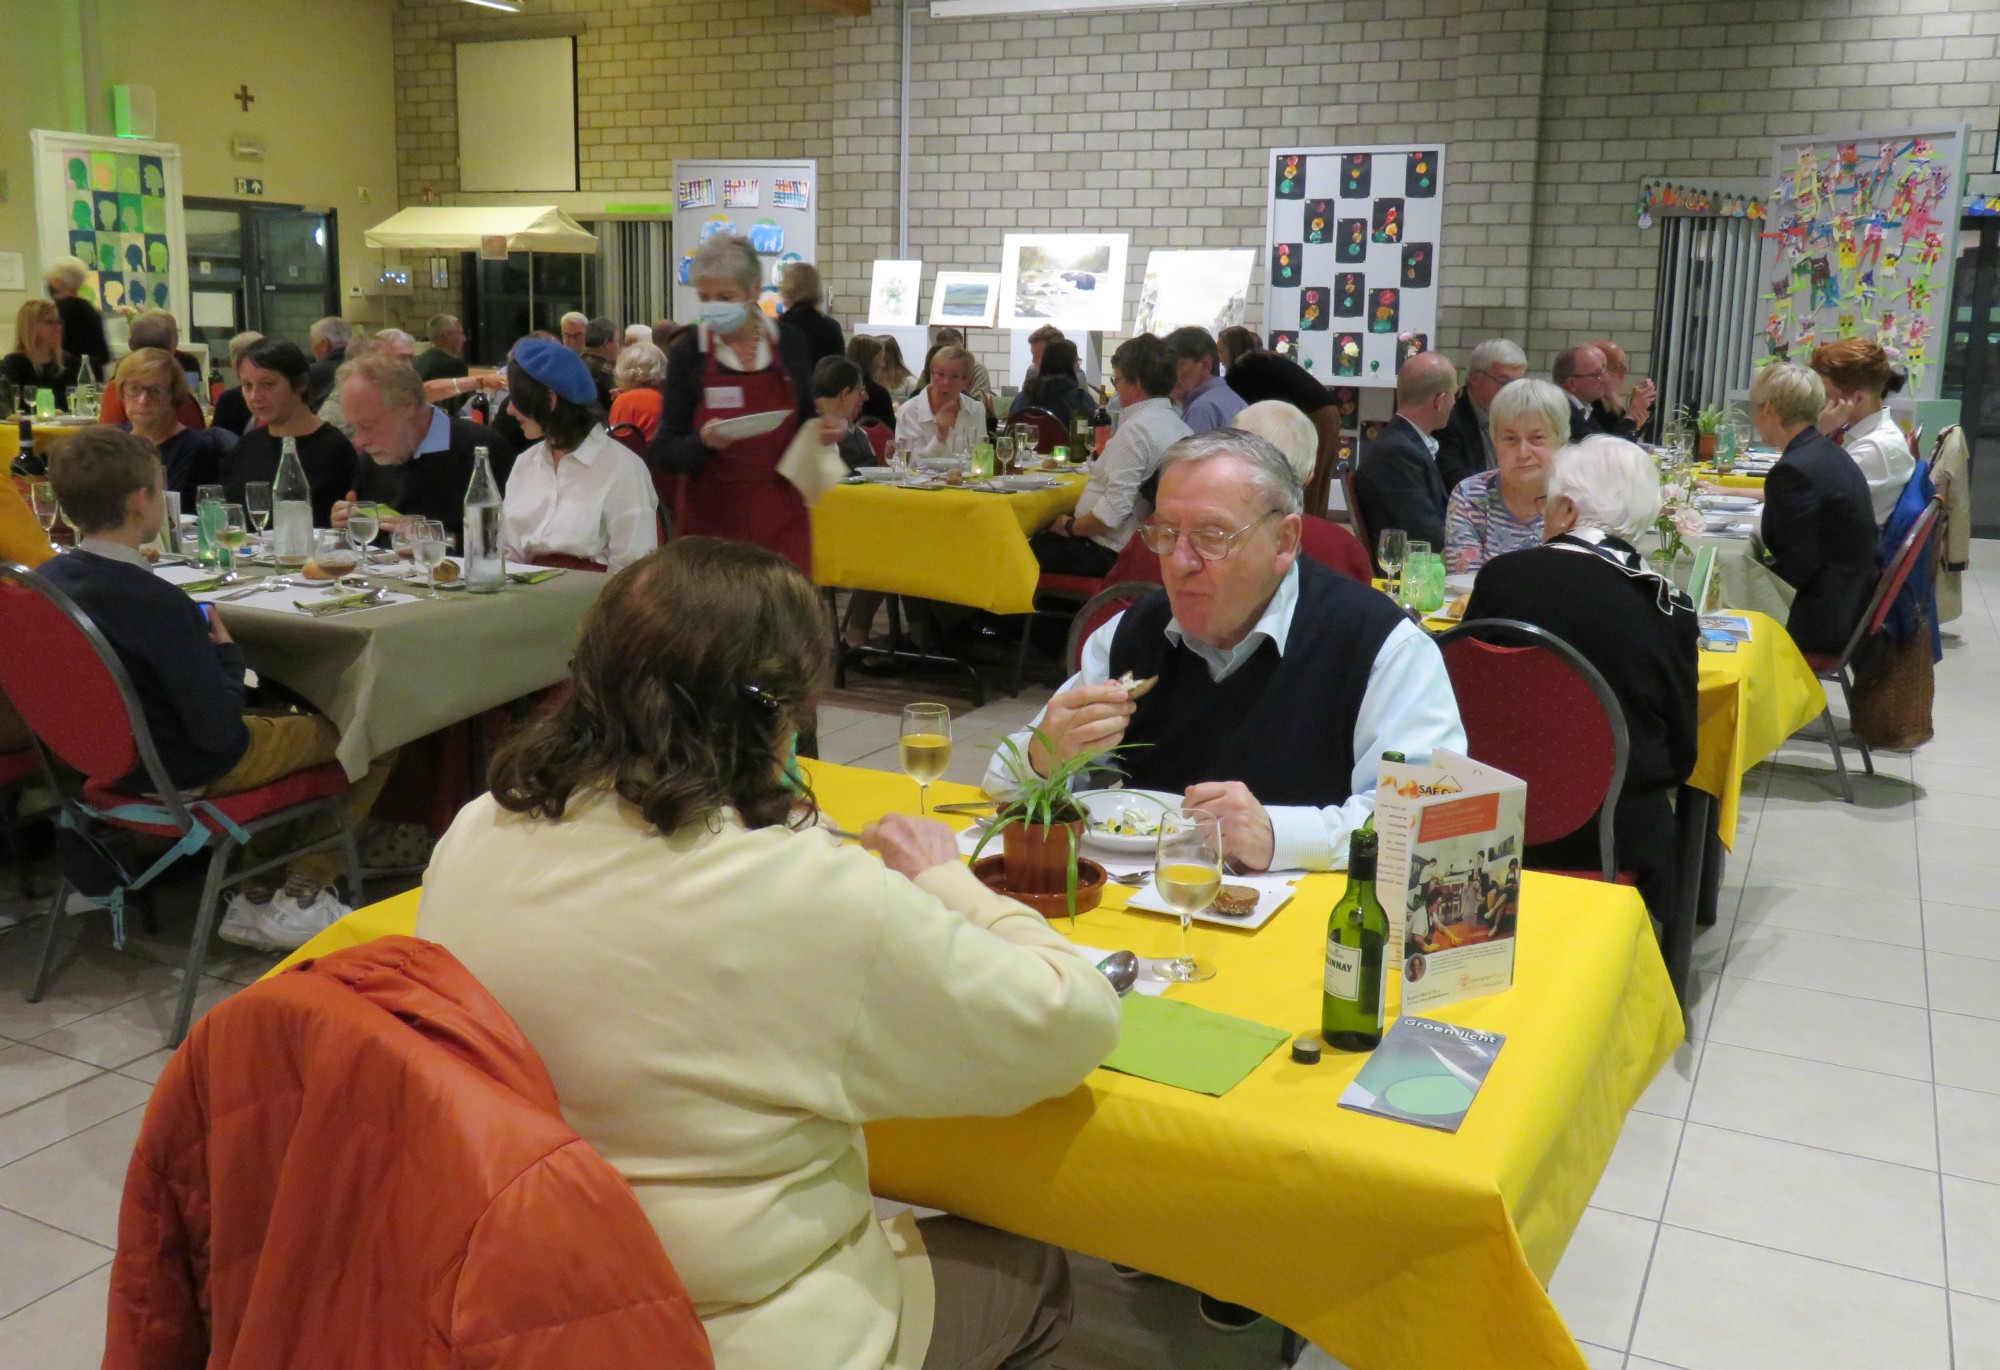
291	509
485	564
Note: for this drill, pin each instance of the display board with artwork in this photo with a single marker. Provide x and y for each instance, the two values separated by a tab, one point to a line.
1855	232
116	204
775	204
965	299
1352	258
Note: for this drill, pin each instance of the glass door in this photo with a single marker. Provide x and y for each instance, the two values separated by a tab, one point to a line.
274	269
498	297
1972	351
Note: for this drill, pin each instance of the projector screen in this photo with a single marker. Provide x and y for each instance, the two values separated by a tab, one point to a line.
517	115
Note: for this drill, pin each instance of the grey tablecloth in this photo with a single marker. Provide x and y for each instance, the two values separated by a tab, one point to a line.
1742	582
390	675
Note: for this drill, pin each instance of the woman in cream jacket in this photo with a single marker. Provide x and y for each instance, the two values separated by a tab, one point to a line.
723	998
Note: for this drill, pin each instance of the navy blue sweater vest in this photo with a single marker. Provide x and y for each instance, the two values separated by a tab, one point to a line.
1283	725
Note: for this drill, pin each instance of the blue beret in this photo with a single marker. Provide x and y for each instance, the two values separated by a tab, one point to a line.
560	369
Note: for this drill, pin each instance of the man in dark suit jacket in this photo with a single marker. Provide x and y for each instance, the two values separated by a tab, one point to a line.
414	457
1582	374
1464	447
1819	524
1397	483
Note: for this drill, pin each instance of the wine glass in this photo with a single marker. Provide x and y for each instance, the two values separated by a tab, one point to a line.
1391	547
427	550
925	745
43	494
332	554
232	530
1025	438
364	521
1187	868
257	504
1003	452
402	532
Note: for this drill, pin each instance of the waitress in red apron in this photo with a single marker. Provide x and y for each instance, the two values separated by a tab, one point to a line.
734	364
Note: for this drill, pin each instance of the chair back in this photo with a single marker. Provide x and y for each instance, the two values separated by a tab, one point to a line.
1362	532
1050	431
567	562
1136	562
1535	708
1099	610
881	437
1891	583
633	436
1333	547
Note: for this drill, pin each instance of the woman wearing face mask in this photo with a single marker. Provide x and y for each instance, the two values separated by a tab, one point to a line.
1497	511
733	364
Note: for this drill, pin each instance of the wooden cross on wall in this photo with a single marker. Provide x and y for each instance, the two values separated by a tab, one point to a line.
243	97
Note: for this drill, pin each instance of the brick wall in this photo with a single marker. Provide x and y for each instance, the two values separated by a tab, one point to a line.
1158	122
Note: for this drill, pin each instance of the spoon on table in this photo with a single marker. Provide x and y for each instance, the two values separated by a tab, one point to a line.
1121	968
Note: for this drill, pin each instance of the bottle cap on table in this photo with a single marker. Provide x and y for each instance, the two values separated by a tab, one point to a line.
1305	1050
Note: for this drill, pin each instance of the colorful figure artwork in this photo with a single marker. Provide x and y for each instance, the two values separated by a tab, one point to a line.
1348	289
1319	221
1857	236
1384	310
1285	263
1389	220
1291	176
116	221
1353	240
1347	360
1312	309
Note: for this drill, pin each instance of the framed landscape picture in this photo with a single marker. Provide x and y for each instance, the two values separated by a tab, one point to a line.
967	299
1075	281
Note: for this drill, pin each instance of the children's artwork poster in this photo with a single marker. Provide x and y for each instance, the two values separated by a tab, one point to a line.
1353	257
1855	231
115	205
791	193
698	193
766	201
739	192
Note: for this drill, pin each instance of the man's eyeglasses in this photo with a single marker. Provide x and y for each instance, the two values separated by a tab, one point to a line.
1210	544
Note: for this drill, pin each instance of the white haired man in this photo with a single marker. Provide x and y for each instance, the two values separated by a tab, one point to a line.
327	340
1280	683
574	325
82	325
1464	445
444	360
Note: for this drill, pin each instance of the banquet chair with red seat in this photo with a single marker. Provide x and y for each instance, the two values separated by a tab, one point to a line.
1839	669
1333	547
1362	533
881	437
73	692
17	771
631	436
1101	608
565	561
1050	431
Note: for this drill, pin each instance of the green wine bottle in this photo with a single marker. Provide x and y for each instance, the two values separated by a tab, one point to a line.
1350	1015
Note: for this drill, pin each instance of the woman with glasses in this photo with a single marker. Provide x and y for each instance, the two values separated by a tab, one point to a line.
275	377
38	361
153	386
1087	542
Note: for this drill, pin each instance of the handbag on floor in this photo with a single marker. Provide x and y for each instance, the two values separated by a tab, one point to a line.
1893	686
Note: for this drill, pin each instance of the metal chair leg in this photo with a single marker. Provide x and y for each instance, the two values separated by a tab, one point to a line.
1847	697
10	826
351	848
204	928
47	960
1839	760
1021	655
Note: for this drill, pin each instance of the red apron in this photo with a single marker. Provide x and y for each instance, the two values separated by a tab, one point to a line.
740	494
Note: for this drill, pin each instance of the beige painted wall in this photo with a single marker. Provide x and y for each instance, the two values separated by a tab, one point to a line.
324	80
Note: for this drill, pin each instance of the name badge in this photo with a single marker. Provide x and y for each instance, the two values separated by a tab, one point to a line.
723	397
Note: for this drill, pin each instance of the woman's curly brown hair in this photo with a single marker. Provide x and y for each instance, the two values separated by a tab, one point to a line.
695	668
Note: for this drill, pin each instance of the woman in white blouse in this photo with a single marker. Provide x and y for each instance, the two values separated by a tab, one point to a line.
723	993
939	418
577	497
1858	380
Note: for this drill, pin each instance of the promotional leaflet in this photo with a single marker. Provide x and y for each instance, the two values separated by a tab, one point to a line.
1425	1072
1449	875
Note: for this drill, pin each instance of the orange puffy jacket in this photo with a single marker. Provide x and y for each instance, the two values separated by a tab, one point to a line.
360	1163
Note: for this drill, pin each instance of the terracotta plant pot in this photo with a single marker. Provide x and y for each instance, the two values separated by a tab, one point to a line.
1704	446
1037	856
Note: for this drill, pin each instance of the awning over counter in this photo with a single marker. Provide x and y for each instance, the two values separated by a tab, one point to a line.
460	228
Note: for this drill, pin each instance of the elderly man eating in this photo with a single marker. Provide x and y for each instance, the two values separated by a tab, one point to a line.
413	457
1280	683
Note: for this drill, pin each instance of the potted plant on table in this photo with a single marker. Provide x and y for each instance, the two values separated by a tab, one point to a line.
1041	829
1707	427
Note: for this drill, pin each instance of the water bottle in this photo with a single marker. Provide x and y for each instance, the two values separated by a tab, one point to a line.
485	565
291	509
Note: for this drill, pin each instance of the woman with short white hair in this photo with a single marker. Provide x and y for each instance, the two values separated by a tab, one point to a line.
1589	586
1491	512
82	325
640	372
1286	427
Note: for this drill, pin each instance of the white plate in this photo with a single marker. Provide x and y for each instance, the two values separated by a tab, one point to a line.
879	475
1273	893
1106	805
752	425
1026	482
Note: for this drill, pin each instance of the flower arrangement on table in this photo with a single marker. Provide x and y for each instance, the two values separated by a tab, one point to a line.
1678	519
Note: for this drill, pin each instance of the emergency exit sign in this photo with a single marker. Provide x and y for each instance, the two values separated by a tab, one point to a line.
249	185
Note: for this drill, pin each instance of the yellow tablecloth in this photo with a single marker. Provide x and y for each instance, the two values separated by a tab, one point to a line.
1731	481
1752	699
1389	1245
10	437
961	546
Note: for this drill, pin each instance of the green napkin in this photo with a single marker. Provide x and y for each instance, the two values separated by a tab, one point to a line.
534	577
201	587
1189	1047
321	608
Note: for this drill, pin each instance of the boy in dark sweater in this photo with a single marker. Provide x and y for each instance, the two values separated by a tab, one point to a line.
188	675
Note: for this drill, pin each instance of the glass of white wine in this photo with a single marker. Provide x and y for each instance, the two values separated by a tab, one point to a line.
1391	546
43	493
925	746
427	548
257	504
364	521
231	533
1187	868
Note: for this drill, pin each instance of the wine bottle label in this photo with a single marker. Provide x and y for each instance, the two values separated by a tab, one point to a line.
1343	971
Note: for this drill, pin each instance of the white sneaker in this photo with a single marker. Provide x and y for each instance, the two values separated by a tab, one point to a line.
78	902
243	923
289	924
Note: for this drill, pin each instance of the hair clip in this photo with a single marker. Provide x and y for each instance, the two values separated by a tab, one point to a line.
757	694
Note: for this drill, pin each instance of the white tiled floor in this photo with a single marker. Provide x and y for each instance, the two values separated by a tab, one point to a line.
1813	1181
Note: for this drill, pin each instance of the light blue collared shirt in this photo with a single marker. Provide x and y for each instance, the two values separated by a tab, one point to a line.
1408	707
1212	405
438	436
